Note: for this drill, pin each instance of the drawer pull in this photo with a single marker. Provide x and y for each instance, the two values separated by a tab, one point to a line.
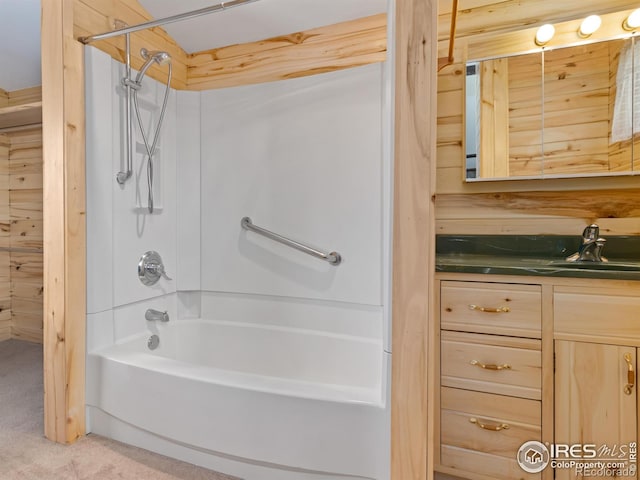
504	366
494	427
631	375
489	309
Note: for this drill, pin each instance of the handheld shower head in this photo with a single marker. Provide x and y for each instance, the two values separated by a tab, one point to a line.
160	57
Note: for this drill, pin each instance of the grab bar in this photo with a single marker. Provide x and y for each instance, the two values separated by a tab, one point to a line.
333	258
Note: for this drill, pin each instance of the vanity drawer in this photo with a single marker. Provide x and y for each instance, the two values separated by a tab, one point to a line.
496	308
594	315
493	364
482	433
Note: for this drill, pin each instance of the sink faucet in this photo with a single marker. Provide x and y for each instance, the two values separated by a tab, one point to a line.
590	249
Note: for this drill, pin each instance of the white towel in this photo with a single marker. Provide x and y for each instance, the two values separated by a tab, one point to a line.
626	110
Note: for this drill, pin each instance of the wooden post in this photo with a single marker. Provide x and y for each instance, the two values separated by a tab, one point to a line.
413	240
64	223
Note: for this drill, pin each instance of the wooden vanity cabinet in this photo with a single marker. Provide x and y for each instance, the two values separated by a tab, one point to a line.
596	350
532	358
595	403
490	377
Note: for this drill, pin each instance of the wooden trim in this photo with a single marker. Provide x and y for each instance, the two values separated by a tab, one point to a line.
547	423
64	223
325	49
21	115
25	95
413	246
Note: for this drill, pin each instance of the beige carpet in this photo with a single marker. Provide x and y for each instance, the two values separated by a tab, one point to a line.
26	455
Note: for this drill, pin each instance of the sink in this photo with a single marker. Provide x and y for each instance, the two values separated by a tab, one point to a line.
612	266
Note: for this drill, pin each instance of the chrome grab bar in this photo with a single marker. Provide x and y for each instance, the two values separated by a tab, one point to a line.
333	258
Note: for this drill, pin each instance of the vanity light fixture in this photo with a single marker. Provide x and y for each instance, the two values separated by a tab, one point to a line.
632	21
544	34
589	25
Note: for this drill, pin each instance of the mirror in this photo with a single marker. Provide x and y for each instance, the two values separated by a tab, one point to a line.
556	113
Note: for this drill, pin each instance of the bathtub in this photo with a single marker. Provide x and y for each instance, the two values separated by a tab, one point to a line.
257	401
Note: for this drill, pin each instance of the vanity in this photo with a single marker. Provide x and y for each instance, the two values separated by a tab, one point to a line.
532	350
534	144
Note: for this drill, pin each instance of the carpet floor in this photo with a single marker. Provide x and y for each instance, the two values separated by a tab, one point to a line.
26	455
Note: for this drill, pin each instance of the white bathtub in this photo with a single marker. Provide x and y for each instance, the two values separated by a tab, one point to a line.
261	402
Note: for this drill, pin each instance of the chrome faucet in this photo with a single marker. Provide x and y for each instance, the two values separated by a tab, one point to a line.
156	315
590	249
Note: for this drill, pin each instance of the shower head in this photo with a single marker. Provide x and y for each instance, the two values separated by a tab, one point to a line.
159	57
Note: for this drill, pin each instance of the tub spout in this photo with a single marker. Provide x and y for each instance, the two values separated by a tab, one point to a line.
156	315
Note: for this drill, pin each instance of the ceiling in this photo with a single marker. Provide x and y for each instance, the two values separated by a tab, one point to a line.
20	27
19	44
255	21
20	23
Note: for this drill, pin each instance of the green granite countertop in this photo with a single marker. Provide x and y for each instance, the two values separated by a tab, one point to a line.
535	255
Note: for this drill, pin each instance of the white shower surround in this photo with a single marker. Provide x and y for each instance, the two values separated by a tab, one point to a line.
284	154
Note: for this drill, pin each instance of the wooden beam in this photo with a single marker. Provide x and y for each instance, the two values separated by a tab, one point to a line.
325	49
413	240
64	223
20	115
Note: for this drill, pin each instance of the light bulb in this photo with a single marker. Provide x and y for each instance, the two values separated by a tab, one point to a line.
544	34
589	25
632	21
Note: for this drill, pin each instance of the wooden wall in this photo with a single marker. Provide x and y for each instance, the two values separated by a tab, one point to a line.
25	205
553	206
21	284
578	104
5	241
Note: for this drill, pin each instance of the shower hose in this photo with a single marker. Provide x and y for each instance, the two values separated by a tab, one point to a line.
150	149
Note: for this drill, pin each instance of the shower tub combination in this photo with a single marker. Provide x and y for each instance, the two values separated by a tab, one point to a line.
269	402
288	379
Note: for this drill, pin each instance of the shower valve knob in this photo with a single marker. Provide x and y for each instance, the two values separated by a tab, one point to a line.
151	268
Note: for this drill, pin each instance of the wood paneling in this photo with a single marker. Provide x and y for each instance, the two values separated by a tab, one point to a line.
25	209
5	225
477	17
505	41
21	220
64	222
5	286
97	16
344	45
494	118
25	95
18	115
412	394
26	296
561	212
